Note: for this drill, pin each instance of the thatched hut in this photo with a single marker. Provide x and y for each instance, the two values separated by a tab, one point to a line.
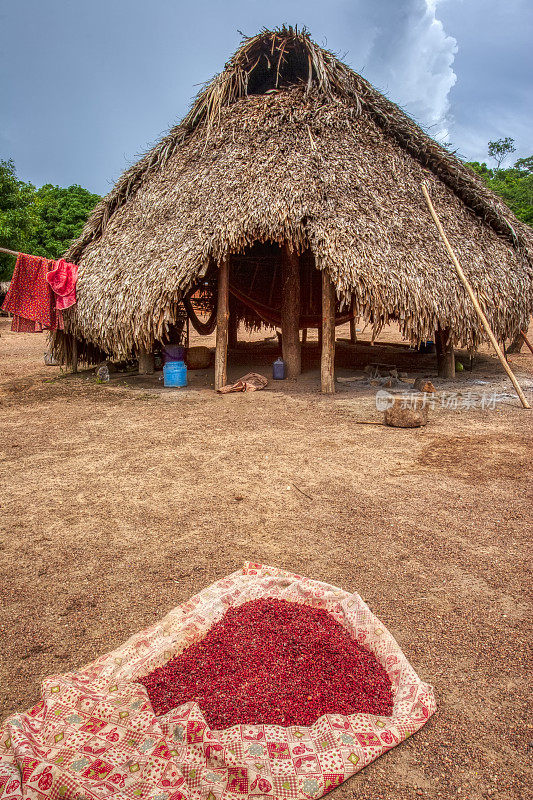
294	187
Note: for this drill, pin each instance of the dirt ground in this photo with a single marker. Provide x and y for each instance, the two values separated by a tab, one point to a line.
119	501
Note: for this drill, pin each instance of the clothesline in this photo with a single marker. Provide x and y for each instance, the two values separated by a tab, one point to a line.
9	252
39	291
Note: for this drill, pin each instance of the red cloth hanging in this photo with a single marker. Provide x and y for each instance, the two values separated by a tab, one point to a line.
30	298
62	278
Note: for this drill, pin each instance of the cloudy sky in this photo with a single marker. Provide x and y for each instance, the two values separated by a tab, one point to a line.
86	87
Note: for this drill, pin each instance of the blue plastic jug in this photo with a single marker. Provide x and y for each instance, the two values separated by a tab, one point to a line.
278	370
175	373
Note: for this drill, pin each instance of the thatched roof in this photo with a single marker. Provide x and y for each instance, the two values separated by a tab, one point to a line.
288	144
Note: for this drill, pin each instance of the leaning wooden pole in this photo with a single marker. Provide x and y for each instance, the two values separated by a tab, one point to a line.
221	348
327	363
290	312
526	340
474	299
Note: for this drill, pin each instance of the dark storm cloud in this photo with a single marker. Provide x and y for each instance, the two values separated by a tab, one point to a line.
86	86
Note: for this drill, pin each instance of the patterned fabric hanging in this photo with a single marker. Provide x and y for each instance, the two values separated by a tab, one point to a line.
30	298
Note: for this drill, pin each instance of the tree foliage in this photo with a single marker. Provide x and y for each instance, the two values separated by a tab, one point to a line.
60	214
500	149
514	185
39	221
16	218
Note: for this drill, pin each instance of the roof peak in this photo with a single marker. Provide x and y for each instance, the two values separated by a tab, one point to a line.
269	61
280	59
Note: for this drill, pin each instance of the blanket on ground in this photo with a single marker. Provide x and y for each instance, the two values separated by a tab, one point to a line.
94	734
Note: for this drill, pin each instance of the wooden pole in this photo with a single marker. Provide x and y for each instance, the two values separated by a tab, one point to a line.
445	353
221	348
327	364
353	331
146	363
518	341
304	335
73	354
290	312
9	252
474	299
526	340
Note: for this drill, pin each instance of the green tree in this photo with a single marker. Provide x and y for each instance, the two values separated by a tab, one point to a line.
39	221
16	215
59	215
500	149
514	185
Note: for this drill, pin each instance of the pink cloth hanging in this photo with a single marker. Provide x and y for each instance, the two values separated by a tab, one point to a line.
62	279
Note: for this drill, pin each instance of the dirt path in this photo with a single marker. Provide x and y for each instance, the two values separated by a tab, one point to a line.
117	504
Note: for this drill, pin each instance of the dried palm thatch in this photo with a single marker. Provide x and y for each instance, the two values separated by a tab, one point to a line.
288	144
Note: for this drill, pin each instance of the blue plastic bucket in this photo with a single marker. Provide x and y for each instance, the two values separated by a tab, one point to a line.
175	373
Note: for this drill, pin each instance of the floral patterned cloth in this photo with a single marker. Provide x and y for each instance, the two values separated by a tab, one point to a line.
94	735
30	298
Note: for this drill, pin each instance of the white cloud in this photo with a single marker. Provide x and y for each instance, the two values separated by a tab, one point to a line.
406	53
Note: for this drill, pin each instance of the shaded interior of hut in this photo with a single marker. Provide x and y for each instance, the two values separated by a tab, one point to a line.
270	290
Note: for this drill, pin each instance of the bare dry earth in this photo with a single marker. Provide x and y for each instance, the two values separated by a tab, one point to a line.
118	503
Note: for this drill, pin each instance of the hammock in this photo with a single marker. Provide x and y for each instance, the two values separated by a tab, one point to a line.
270	315
273	317
203	328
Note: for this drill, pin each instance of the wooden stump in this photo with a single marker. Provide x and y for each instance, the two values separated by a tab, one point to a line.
221	348
327	363
406	412
445	353
290	312
146	363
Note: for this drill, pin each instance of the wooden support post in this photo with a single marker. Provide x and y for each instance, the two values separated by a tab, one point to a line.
221	348
445	354
290	312
353	332
73	354
146	363
526	340
516	344
304	335
327	364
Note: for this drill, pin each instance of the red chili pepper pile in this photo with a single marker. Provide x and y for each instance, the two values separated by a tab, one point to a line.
276	663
